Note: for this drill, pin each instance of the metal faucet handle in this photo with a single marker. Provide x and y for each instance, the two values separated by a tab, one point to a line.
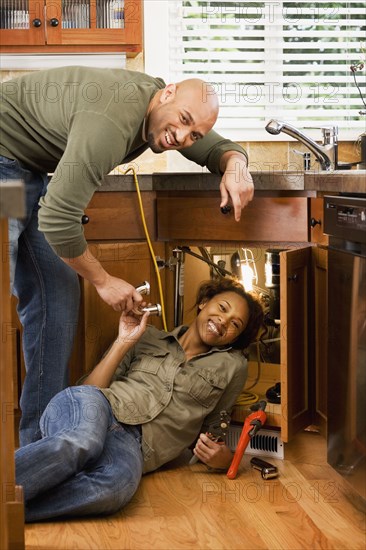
144	288
306	156
154	309
330	133
333	128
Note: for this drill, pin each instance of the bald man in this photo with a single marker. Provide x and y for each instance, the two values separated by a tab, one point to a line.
78	124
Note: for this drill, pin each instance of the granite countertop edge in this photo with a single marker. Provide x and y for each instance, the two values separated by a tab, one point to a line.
353	181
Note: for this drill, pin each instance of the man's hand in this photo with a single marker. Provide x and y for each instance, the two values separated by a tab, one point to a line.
119	294
236	183
211	453
115	292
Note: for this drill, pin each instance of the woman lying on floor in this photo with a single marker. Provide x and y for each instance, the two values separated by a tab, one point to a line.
147	400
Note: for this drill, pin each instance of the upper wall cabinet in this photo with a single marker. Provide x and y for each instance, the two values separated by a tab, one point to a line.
45	26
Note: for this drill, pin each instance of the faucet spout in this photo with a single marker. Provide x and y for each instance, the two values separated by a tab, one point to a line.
326	154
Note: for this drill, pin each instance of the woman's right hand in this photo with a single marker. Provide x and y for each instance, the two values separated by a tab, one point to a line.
131	327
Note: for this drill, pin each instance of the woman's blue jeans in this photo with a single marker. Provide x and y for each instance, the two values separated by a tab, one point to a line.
86	463
48	302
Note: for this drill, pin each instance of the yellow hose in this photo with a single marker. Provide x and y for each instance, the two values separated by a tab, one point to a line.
131	169
247	398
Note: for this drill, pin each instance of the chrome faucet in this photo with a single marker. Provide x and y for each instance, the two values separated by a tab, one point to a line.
326	153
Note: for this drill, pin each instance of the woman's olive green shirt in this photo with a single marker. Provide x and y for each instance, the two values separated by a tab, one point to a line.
79	123
173	399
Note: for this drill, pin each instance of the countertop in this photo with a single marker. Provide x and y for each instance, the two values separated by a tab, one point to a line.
339	181
342	181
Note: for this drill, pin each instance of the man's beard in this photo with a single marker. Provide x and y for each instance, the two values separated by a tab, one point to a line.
152	144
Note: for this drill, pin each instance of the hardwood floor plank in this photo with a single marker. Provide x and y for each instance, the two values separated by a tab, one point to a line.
323	514
181	507
331	487
262	502
198	497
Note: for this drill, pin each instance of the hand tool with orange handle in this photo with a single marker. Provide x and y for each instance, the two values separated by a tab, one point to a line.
252	424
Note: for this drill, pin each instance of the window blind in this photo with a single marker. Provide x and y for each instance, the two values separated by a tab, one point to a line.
276	59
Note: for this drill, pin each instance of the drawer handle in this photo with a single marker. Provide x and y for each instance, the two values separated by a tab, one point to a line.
314	222
293	278
54	22
225	209
84	219
36	22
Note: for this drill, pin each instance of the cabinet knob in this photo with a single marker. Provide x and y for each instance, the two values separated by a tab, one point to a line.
84	219
314	222
54	22
36	22
225	209
293	278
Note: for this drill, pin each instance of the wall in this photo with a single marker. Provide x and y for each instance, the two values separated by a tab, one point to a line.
263	156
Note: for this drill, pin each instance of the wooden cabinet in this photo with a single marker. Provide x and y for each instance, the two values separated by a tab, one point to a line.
44	26
116	216
22	27
116	236
195	217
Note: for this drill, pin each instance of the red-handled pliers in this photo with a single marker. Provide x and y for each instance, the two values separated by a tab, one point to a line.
252	424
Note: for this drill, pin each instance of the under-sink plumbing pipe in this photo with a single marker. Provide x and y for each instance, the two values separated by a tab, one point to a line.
179	256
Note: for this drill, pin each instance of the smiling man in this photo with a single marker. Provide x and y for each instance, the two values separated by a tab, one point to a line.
181	114
78	124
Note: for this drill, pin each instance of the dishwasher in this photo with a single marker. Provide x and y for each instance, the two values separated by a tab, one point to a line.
345	223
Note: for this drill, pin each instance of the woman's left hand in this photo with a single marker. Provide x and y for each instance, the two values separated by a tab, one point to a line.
211	453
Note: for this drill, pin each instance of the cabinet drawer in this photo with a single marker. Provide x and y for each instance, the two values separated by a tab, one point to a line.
116	215
264	219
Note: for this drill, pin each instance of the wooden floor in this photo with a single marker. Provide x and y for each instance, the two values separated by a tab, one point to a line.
187	507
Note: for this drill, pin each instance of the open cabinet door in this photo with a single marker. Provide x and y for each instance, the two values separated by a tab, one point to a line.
294	281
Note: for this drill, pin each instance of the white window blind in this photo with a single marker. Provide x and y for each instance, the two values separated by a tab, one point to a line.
276	59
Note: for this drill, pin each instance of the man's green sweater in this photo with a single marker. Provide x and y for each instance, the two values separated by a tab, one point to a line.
79	123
